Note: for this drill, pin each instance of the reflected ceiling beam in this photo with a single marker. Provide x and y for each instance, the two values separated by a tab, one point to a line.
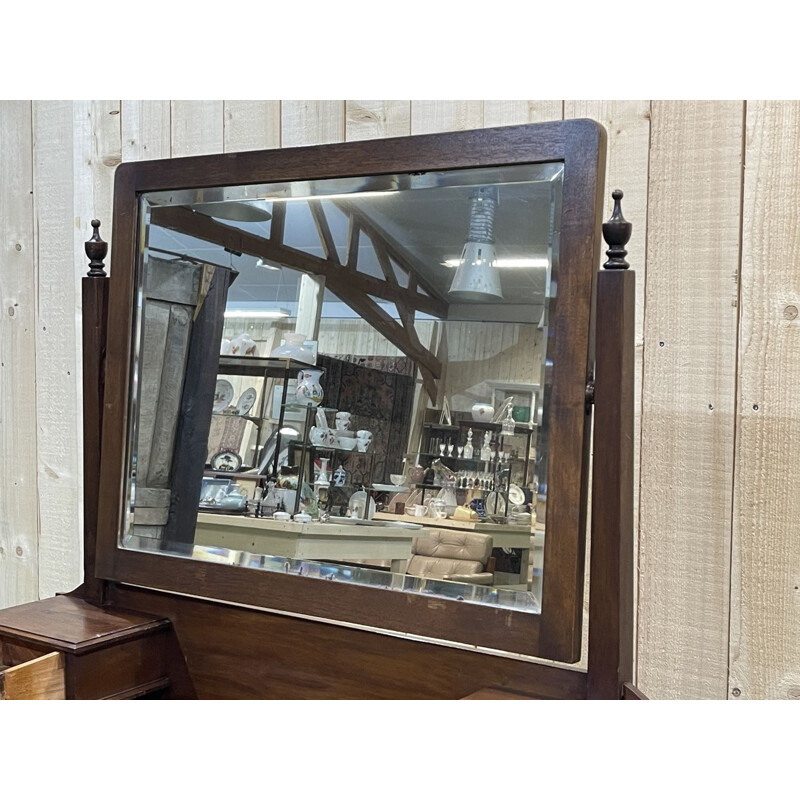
408	262
348	285
278	224
406	314
342	281
429	366
323	229
353	236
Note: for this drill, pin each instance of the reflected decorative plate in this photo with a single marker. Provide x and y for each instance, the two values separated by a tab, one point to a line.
516	495
225	461
223	395
493	498
246	401
389	487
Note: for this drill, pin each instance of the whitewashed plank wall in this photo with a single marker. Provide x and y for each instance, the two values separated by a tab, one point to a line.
718	328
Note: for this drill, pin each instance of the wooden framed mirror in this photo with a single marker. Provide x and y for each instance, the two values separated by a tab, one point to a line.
178	254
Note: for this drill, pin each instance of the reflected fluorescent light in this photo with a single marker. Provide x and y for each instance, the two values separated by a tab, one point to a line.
508	263
274	313
264	265
288	431
343	196
235	210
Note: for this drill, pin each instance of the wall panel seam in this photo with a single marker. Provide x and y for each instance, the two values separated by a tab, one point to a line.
640	399
736	396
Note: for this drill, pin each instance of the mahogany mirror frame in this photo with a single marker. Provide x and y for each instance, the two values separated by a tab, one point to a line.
556	632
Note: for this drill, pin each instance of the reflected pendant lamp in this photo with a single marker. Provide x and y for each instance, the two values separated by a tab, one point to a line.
477	279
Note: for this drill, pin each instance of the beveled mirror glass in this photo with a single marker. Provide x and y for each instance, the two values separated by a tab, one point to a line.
391	337
346	378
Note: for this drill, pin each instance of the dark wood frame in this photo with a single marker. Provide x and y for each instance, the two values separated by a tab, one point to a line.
556	633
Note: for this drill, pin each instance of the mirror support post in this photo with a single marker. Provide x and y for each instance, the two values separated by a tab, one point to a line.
94	316
610	661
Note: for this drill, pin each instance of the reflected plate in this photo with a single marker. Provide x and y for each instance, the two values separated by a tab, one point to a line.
516	495
223	395
375	523
246	400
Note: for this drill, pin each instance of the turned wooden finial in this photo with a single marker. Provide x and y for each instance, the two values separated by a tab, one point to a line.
96	250
617	233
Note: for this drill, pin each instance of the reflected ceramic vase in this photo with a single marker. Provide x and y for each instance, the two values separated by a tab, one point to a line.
482	412
323	478
293	348
308	390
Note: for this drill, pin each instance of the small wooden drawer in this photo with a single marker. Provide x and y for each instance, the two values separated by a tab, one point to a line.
41	678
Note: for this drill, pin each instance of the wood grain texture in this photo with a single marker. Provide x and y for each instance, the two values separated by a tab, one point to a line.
688	398
57	343
306	122
581	145
518	112
375	119
765	586
73	625
251	124
19	518
627	123
437	116
146	129
96	152
669	669
197	127
241	653
40	679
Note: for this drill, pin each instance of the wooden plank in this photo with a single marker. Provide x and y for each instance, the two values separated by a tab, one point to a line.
94	320
435	116
197	127
309	306
688	398
765	585
627	123
519	112
376	119
61	149
611	630
19	523
307	122
40	679
196	402
251	124
96	153
145	130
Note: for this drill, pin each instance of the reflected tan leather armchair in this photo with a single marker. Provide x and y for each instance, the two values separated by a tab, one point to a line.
453	556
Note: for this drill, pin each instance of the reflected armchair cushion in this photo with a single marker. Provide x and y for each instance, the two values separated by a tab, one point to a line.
452	556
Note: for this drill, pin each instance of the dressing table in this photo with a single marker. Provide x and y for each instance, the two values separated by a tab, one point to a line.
162	618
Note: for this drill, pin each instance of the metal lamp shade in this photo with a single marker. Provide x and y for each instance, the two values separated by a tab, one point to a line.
476	278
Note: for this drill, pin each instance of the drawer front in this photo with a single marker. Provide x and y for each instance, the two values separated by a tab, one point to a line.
39	679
